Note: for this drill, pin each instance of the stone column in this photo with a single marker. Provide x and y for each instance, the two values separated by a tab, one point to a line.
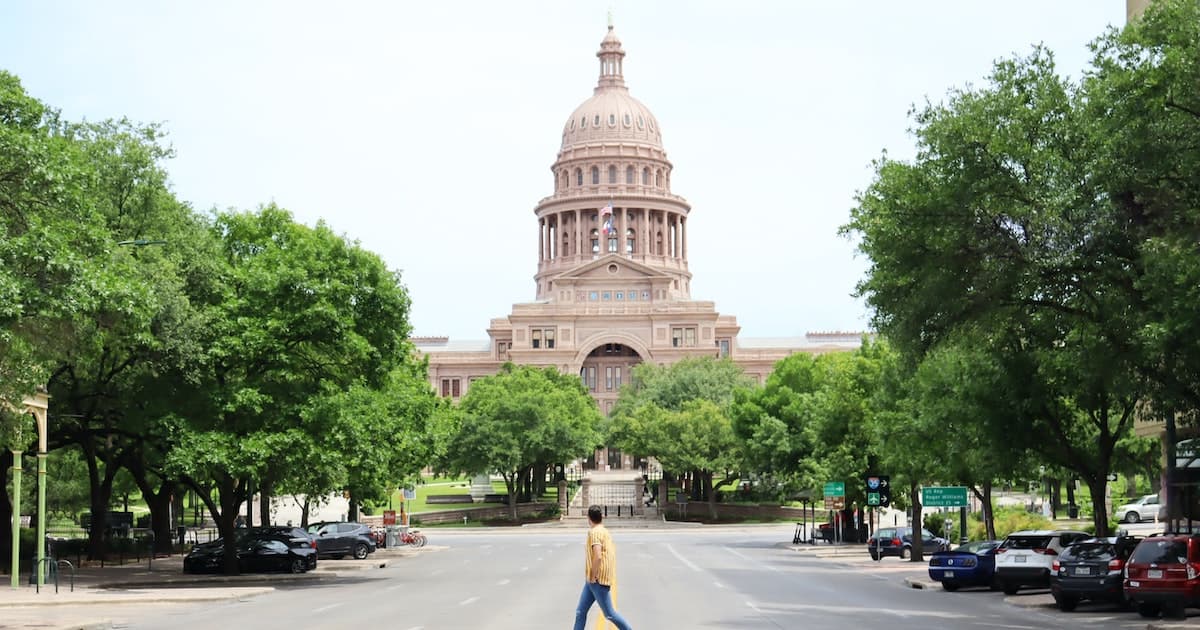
585	490
639	487
621	231
683	232
541	240
563	499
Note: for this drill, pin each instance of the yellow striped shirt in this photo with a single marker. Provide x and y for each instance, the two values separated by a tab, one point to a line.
599	535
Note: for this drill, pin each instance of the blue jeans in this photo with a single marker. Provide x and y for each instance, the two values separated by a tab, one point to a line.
600	594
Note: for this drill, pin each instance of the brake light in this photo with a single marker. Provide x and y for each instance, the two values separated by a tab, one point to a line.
1046	552
1192	572
312	543
895	542
1116	564
1056	566
1000	550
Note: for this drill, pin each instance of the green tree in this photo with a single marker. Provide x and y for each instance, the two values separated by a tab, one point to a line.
518	419
296	313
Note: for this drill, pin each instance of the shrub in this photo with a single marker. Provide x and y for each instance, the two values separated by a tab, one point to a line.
1008	520
935	523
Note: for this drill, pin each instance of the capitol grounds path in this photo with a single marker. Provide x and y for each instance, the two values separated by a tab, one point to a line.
162	581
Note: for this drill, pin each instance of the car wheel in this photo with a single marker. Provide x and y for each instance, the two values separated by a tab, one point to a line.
874	556
950	586
1132	517
297	565
1147	610
360	551
1009	589
1066	603
904	553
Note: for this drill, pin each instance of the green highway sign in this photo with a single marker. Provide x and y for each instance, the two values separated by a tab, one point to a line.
835	488
944	496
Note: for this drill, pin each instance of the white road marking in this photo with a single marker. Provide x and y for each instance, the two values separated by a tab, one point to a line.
755	608
417	628
687	563
503	582
749	559
325	608
395	586
468	601
718	585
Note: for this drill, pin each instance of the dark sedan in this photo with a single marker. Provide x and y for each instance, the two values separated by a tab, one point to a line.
1091	569
256	552
972	564
897	541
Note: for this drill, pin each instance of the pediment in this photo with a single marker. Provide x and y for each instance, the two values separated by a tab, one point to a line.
611	267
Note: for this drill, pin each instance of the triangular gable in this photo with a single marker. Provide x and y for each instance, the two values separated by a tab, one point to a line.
599	270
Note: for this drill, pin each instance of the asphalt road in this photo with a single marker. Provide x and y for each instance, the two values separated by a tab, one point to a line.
739	578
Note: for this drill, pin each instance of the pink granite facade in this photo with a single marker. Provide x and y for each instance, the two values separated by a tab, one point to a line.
612	284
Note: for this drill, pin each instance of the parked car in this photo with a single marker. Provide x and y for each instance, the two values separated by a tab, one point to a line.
897	541
256	551
1163	574
972	564
338	540
1026	557
1146	508
1091	569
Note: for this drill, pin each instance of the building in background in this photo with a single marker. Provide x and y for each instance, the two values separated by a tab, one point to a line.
612	285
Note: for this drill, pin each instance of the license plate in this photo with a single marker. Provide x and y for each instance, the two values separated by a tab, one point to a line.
1019	559
1083	570
1154	574
948	574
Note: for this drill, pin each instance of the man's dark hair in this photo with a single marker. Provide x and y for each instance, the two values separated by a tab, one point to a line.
595	514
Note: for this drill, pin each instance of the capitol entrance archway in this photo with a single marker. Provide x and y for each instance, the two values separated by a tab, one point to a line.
605	369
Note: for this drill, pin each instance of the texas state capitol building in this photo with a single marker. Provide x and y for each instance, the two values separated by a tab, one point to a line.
613	286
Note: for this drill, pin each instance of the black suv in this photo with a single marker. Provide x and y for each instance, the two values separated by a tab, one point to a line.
897	541
1091	569
337	540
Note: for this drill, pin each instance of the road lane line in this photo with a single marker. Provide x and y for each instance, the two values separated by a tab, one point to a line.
503	582
394	587
417	628
718	585
687	563
468	601
752	560
325	608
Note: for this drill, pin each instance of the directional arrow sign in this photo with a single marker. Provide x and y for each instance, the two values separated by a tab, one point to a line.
835	489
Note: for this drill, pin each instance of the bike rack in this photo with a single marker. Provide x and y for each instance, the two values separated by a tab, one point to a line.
52	568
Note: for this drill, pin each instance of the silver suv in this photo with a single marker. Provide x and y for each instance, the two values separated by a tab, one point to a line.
1025	558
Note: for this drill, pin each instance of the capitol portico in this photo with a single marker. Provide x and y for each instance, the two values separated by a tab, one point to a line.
612	284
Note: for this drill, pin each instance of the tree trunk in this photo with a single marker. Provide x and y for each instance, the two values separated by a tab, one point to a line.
100	500
707	478
230	497
918	549
510	482
304	508
1055	497
1097	484
160	516
5	512
989	513
264	504
353	514
1070	494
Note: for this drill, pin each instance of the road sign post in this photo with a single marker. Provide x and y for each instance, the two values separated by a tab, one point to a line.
944	496
879	491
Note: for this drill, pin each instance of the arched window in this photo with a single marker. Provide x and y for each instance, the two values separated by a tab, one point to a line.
658	179
612	174
595	241
658	245
595	175
612	242
566	246
645	177
629	175
578	177
630	237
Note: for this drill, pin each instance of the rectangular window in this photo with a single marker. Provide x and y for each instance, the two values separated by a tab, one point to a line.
723	344
683	337
633	296
501	349
620	295
595	246
535	335
591	382
617	377
542	338
607	295
594	295
549	332
645	296
450	387
608	378
629	246
612	245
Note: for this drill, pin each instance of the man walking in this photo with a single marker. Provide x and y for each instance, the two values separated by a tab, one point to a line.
600	569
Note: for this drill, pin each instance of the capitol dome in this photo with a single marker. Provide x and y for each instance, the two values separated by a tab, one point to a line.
611	114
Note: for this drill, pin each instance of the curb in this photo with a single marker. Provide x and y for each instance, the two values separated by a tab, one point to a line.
220	580
925	585
104	600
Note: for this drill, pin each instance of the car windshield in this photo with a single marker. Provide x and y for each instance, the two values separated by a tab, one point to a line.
1164	551
979	546
1026	542
1089	551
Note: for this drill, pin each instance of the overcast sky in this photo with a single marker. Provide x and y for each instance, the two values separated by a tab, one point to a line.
426	130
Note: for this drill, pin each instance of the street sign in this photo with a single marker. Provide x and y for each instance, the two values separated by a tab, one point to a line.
835	489
944	496
389	517
410	494
835	503
879	491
